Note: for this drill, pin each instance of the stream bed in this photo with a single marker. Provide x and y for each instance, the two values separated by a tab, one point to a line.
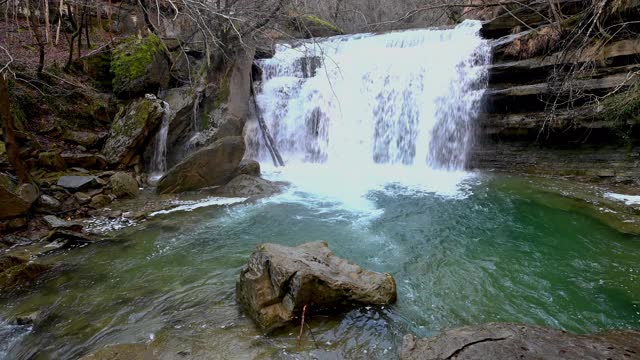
465	249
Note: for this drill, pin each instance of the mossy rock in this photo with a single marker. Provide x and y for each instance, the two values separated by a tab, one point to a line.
51	161
131	129
17	272
313	26
139	66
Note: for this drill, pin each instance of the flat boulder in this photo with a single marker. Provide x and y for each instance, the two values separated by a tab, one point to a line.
55	223
279	281
131	129
213	165
517	341
250	186
75	183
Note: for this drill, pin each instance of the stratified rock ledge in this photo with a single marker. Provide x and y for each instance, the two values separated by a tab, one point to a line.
279	281
516	341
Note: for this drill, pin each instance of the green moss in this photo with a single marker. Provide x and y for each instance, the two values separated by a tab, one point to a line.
136	119
320	22
131	59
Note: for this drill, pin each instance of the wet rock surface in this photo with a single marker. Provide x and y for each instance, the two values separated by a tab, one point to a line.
131	129
279	281
17	272
516	341
251	186
211	166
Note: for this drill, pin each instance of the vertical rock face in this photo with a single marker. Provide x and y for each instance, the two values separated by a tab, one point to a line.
520	130
279	281
516	341
210	166
234	120
131	130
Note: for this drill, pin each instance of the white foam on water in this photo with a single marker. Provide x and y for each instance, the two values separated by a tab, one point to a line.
627	199
193	205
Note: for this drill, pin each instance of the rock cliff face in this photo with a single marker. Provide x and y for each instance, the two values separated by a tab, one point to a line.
590	134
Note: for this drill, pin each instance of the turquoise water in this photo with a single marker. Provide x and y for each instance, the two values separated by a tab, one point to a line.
488	251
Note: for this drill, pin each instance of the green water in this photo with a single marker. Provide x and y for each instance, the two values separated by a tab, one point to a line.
496	254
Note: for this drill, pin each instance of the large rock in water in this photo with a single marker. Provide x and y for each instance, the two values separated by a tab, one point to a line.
279	281
515	341
210	166
130	130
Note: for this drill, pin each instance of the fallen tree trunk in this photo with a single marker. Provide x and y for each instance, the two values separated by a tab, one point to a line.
268	139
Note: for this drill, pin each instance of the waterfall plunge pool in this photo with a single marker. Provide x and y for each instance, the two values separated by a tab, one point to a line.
375	130
474	249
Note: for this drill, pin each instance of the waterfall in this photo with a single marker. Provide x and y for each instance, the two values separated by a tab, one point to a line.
159	158
403	98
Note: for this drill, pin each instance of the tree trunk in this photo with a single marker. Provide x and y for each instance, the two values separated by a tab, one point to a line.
8	127
86	27
46	21
35	27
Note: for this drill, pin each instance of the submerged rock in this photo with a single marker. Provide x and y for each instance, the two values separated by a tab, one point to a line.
250	186
279	280
515	341
213	165
122	352
123	185
16	272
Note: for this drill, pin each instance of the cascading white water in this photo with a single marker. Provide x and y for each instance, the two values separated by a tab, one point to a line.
356	113
159	159
397	98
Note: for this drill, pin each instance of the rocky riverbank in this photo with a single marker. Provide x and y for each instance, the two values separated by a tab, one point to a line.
553	108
